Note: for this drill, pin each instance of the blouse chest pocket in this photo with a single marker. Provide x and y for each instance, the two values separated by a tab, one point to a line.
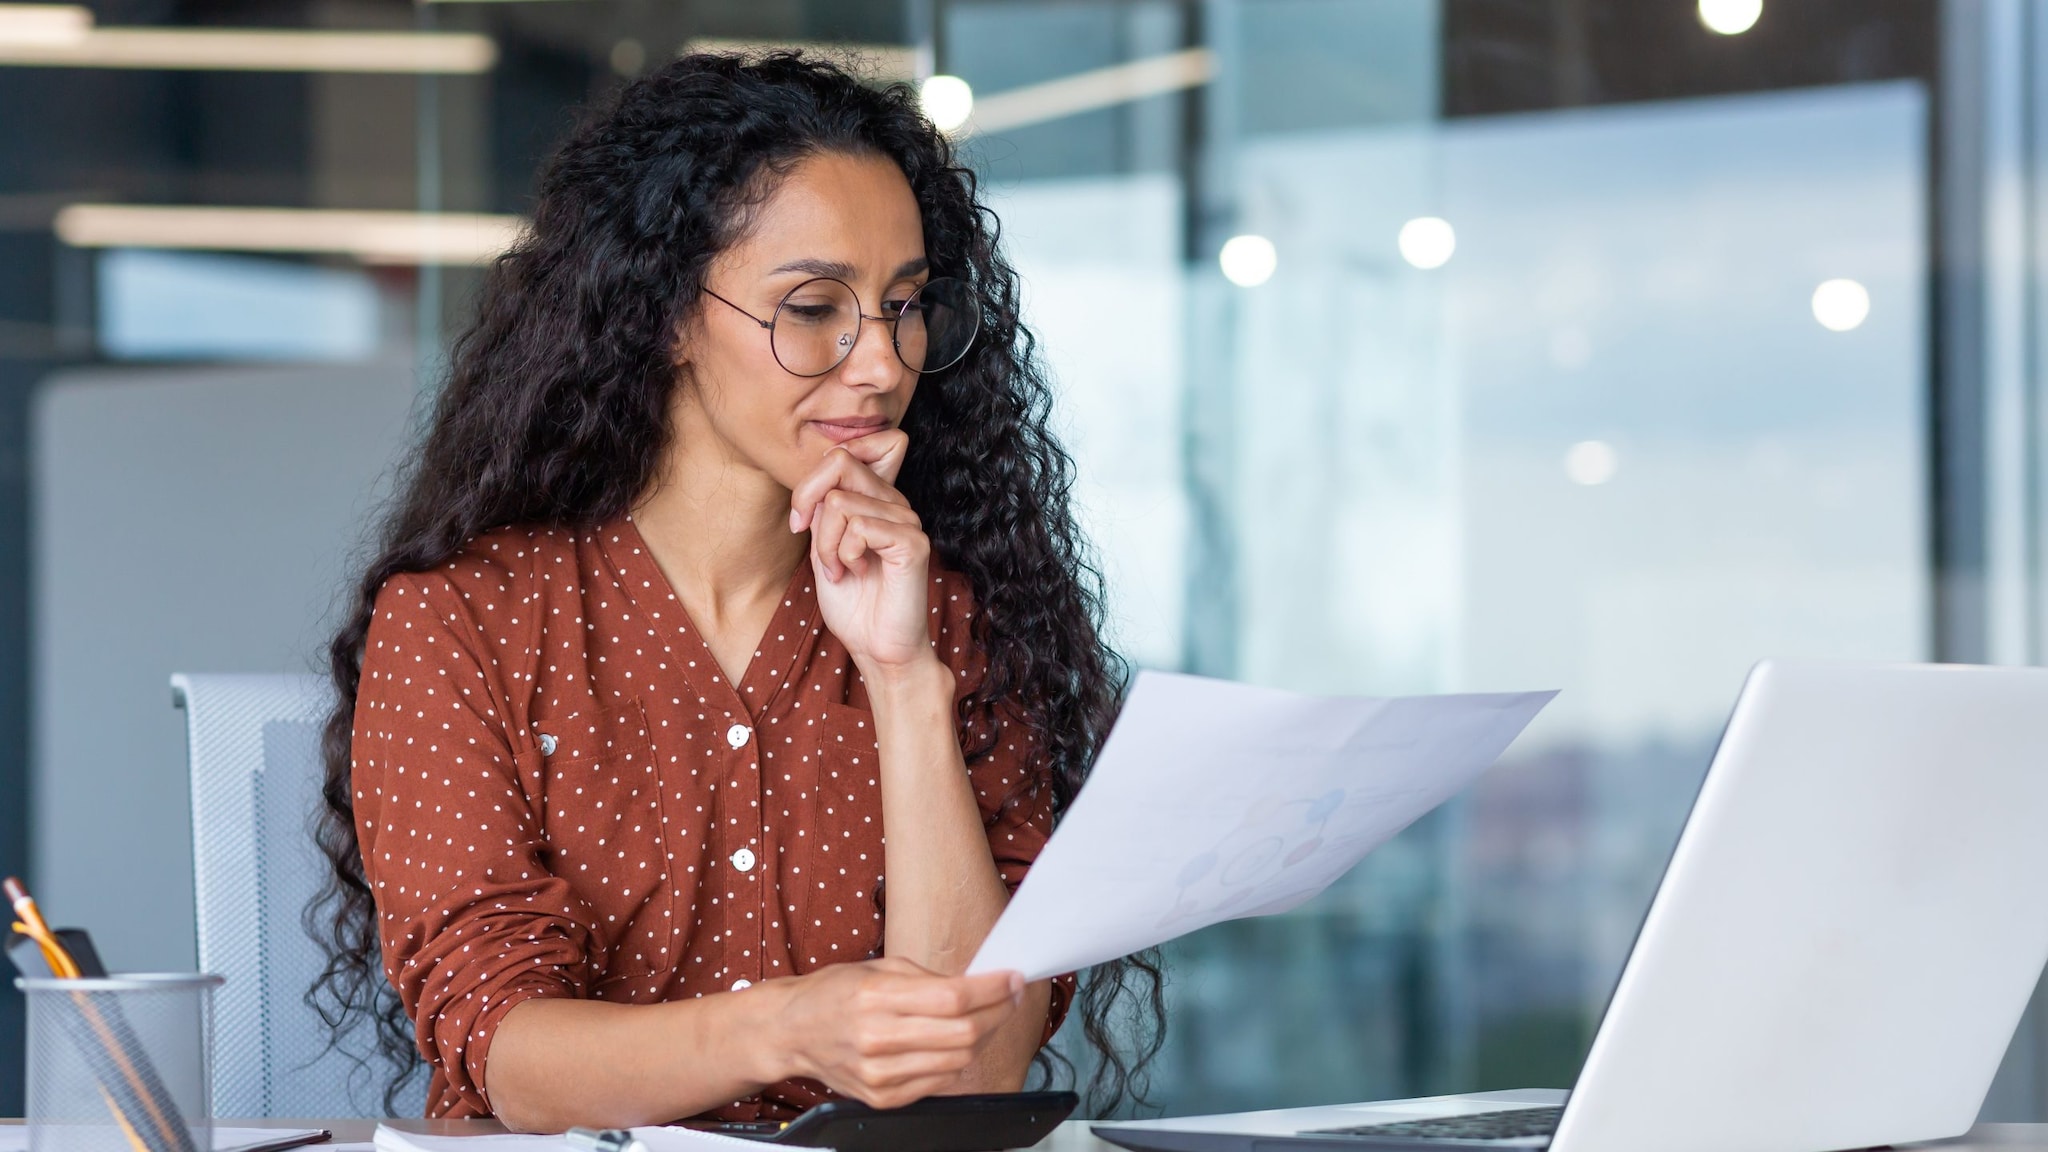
601	822
840	906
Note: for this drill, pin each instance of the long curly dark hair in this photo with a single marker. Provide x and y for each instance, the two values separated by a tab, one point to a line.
556	412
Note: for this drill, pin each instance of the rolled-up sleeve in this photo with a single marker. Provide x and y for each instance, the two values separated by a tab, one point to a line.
470	918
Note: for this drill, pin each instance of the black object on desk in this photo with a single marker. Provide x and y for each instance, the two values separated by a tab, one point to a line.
78	942
28	957
934	1124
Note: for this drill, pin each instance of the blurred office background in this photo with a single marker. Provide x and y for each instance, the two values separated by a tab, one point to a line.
1404	346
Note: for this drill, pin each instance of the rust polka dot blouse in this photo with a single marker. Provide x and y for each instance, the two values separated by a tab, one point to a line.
559	794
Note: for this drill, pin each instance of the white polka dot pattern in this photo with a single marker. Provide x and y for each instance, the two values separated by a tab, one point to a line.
558	794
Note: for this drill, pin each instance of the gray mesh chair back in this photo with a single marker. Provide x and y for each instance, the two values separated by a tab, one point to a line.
255	750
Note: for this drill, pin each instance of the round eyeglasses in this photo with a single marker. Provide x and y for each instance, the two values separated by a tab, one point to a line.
818	322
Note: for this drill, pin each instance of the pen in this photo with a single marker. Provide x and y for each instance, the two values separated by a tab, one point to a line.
604	1140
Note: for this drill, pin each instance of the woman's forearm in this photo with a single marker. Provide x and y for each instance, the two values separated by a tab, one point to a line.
943	892
559	1063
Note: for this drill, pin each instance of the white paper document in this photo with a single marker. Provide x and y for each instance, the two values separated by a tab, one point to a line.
1213	800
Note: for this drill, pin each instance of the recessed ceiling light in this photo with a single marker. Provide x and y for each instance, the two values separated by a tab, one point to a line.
1730	17
1591	463
1248	260
1427	241
1841	305
948	100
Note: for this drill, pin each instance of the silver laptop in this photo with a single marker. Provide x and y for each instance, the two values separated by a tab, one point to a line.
1842	944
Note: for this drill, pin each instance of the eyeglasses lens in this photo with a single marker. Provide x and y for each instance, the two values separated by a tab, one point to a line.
815	327
936	325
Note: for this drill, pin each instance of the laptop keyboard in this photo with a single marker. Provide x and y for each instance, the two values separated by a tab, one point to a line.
1511	1124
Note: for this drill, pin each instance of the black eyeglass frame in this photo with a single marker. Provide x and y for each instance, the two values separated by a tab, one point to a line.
860	318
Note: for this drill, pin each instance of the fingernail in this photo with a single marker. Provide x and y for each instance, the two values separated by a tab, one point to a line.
795	523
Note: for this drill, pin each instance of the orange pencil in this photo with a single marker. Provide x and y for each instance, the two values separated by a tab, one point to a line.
32	925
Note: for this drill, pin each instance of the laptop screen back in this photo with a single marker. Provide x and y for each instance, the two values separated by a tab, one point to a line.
1850	926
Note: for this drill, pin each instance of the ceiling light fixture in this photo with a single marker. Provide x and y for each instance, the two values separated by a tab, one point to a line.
249	49
947	100
1730	17
1095	89
44	23
1427	241
1248	260
1841	305
1591	463
371	237
1016	107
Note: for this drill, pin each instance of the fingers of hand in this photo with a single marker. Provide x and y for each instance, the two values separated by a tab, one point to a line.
940	996
989	1017
883	452
901	1080
989	988
892	1035
912	1034
908	1076
839	544
869	535
840	469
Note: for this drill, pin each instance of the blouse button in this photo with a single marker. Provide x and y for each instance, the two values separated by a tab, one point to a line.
742	985
743	860
547	744
737	735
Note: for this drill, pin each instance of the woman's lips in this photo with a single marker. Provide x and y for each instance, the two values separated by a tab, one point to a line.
840	431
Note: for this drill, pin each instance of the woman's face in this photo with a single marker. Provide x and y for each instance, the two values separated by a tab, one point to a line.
848	217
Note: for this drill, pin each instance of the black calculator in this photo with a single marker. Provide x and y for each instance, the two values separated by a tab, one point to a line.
988	1123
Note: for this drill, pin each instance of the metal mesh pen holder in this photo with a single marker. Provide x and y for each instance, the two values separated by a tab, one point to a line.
120	1064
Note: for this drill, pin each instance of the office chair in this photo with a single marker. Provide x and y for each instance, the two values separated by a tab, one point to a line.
255	750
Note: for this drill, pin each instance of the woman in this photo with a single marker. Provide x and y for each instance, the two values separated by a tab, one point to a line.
738	538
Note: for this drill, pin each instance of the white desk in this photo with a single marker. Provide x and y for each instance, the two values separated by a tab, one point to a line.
1073	1136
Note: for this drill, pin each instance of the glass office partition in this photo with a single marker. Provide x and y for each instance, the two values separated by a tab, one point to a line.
1615	399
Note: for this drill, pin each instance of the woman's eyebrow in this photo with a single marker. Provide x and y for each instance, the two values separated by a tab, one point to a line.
841	270
836	269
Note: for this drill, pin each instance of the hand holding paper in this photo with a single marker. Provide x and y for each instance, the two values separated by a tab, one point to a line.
1213	801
